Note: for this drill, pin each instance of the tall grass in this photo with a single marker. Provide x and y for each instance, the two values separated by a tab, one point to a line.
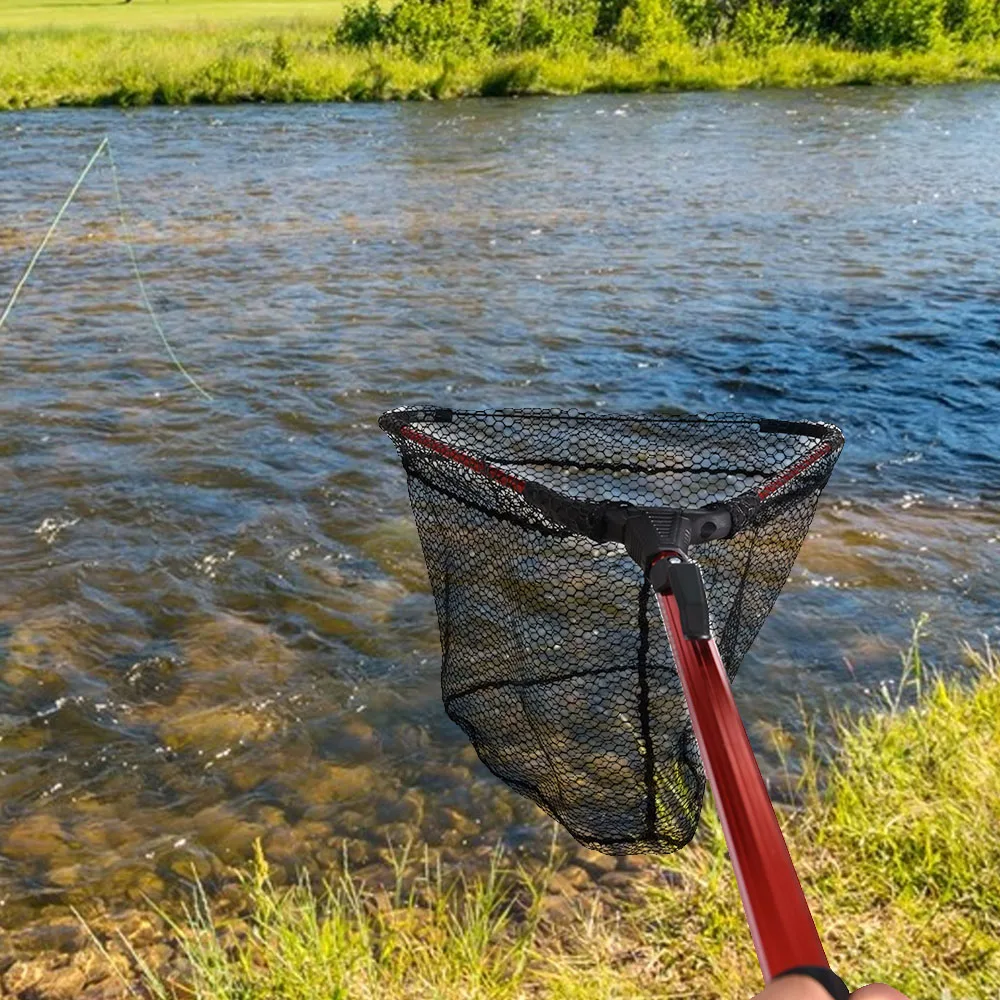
302	62
897	844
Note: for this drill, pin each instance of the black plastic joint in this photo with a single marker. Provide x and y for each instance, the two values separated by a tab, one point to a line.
827	978
650	532
647	531
672	575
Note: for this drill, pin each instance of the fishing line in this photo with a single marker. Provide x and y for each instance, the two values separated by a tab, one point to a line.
104	146
55	222
128	241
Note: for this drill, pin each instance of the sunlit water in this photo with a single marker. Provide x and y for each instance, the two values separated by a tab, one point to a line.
214	619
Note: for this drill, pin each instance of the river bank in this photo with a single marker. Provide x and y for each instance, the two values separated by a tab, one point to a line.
302	62
895	838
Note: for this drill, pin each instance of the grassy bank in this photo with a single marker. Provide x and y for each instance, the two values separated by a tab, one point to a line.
300	63
897	841
228	51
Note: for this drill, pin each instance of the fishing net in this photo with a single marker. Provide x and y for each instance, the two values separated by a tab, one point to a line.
555	662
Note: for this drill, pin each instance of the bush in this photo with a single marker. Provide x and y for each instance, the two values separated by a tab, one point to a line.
362	26
828	20
760	26
646	24
428	28
555	24
703	19
897	24
971	19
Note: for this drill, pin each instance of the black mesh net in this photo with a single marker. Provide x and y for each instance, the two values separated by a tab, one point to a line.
555	662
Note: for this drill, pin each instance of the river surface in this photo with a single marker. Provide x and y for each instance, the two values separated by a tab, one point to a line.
214	618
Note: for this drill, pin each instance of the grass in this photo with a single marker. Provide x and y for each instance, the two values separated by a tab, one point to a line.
214	52
44	15
897	843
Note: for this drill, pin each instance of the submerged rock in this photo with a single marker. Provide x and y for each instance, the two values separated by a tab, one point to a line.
37	837
227	644
213	730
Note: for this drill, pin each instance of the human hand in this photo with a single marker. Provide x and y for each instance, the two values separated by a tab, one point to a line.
804	988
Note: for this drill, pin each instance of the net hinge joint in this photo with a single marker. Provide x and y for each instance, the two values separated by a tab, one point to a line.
646	532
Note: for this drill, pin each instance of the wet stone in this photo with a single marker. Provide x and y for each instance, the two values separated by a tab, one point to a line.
228	644
34	838
462	824
594	862
61	935
213	730
620	883
635	863
44	978
333	783
107	989
409	808
558	883
576	876
670	877
225	833
556	909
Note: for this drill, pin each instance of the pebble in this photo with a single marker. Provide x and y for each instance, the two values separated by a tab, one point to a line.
618	882
36	837
558	883
576	876
333	783
214	730
557	909
594	861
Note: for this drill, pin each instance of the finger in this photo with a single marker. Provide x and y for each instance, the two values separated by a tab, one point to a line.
877	991
795	988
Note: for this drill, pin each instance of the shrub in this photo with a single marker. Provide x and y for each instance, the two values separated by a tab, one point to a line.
828	20
971	19
362	26
558	24
428	28
759	26
897	24
703	19
646	24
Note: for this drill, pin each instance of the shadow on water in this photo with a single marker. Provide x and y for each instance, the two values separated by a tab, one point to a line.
214	620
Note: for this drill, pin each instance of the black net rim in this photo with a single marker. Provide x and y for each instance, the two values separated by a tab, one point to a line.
585	516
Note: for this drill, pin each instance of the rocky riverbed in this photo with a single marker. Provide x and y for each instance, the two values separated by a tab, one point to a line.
112	953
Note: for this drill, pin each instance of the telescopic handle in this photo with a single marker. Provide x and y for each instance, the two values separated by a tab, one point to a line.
782	927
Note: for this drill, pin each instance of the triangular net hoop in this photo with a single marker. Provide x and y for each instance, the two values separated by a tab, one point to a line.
554	660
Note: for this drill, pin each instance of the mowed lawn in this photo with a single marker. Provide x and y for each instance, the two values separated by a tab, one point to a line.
143	14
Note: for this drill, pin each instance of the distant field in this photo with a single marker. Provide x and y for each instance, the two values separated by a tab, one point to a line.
47	14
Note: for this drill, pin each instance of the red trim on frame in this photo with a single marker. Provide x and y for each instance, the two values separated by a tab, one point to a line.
773	485
476	464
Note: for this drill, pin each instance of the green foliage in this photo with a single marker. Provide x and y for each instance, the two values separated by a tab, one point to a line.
429	28
362	26
281	53
972	19
646	24
759	26
897	24
206	64
702	19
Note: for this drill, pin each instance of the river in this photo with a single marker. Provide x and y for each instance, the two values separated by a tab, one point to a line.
214	618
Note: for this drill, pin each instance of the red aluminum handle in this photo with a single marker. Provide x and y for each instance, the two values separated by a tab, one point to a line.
782	927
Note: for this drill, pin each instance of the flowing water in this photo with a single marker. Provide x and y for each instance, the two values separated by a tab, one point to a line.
214	619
